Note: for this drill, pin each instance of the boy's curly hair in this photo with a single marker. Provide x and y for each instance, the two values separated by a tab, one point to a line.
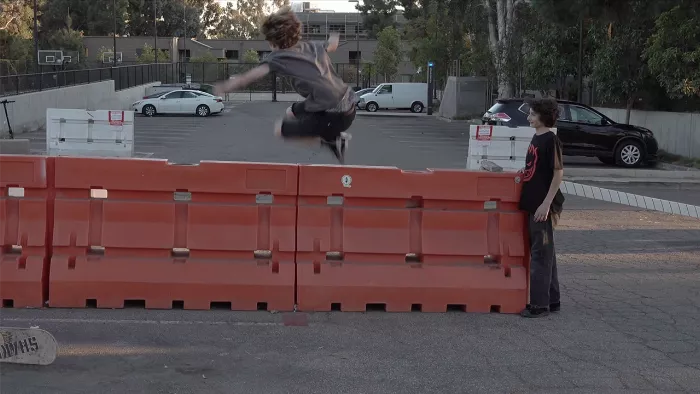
282	28
547	109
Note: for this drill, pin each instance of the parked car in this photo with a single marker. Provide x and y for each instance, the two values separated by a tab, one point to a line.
180	102
404	95
584	131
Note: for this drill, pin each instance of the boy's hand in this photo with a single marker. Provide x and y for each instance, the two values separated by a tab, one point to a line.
542	213
333	41
224	87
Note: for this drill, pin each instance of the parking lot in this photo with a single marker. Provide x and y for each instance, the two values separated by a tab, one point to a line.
630	319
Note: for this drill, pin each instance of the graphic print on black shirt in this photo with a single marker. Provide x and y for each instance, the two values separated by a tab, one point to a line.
544	155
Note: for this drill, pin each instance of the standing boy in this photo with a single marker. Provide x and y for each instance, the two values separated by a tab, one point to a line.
329	106
543	202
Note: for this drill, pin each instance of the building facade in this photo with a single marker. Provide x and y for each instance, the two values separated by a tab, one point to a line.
355	46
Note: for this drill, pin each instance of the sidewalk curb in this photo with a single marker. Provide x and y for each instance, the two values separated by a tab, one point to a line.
627	173
639	181
392	114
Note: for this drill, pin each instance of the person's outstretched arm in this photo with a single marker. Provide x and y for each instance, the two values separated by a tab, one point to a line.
242	80
333	42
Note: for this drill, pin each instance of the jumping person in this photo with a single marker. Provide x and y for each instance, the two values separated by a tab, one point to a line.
329	106
543	201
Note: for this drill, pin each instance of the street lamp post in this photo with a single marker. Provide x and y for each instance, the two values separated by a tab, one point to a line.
184	20
36	41
155	33
358	58
114	42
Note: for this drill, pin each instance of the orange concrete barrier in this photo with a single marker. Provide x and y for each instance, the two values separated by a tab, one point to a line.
401	241
147	233
25	197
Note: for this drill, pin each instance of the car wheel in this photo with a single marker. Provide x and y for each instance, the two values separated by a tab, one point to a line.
629	153
417	107
372	107
607	160
149	110
203	111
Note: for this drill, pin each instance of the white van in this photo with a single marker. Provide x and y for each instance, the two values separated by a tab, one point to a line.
403	95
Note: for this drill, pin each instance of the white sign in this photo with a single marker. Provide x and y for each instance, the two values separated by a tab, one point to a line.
346	180
502	145
77	132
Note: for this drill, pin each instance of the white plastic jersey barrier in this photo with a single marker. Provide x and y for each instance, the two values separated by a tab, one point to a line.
77	132
633	200
504	146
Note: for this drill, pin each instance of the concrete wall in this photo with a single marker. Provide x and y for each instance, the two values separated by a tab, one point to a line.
676	132
28	113
463	97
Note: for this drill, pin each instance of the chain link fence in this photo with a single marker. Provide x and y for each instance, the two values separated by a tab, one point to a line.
128	76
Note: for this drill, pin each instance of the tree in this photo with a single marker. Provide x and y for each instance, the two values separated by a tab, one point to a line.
16	18
67	40
207	57
211	18
378	14
673	50
619	69
147	55
387	55
16	32
251	56
501	17
93	18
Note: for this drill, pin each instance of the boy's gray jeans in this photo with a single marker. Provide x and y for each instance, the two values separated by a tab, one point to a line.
544	283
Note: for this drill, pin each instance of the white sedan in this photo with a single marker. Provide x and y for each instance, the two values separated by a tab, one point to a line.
180	102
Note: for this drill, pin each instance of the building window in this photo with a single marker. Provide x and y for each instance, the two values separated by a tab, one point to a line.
262	54
311	29
231	54
354	57
334	27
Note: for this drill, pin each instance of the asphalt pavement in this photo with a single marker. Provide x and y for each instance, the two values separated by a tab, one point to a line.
630	319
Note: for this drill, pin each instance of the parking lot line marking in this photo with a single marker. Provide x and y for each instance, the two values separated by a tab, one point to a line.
629	199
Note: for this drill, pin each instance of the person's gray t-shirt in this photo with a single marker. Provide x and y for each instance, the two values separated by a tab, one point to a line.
314	77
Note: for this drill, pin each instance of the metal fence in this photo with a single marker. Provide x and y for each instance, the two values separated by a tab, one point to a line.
126	77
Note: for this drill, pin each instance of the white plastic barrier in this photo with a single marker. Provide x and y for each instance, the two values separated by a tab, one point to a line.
504	146
77	132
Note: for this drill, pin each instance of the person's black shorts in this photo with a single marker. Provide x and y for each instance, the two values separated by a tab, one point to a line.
327	125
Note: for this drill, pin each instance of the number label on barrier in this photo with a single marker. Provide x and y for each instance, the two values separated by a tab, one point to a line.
346	180
116	118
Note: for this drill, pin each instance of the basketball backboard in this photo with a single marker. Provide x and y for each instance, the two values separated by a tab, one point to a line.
50	57
108	57
71	57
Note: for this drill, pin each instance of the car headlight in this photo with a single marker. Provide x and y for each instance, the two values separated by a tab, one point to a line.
136	103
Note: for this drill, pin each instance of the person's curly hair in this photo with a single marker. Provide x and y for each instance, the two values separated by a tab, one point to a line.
547	109
282	28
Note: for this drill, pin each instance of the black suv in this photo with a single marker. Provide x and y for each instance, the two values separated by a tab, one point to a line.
584	132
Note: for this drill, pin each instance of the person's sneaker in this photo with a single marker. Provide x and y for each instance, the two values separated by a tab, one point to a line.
556	307
531	312
339	146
